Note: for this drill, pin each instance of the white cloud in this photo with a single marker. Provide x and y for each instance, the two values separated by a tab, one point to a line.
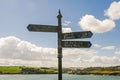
14	48
97	45
14	51
117	52
76	52
20	62
108	48
95	60
113	12
66	30
104	60
89	22
66	23
75	57
66	27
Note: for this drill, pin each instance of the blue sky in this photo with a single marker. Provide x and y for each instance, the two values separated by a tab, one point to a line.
18	45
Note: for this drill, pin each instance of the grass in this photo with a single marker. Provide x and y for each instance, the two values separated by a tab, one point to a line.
18	70
10	69
105	72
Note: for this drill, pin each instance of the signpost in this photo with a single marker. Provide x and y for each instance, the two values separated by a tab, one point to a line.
42	28
76	44
62	36
76	35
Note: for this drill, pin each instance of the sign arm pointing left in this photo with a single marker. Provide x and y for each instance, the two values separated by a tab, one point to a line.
42	28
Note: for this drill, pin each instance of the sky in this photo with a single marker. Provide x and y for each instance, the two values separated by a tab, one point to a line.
19	47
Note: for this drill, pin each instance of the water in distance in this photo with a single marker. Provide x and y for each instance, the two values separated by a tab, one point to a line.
54	77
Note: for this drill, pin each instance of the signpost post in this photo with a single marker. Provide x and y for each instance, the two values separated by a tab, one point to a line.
62	36
59	46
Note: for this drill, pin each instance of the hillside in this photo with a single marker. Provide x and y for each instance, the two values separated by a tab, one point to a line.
26	70
113	70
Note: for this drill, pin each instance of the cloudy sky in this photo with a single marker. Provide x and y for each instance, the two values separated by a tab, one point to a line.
18	46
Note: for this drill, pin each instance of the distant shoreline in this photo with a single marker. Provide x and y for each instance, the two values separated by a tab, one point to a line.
68	74
11	70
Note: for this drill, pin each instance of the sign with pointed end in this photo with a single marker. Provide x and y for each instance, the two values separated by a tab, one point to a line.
42	28
76	44
76	35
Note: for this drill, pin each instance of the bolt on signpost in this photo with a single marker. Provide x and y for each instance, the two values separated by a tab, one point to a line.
62	36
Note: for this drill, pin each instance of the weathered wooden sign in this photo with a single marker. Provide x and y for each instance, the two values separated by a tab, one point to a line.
76	44
42	28
76	35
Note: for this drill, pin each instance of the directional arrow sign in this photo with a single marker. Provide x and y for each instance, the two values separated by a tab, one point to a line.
76	35
76	44
42	28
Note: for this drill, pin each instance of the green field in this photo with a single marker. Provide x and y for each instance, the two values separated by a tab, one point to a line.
26	70
115	70
10	69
